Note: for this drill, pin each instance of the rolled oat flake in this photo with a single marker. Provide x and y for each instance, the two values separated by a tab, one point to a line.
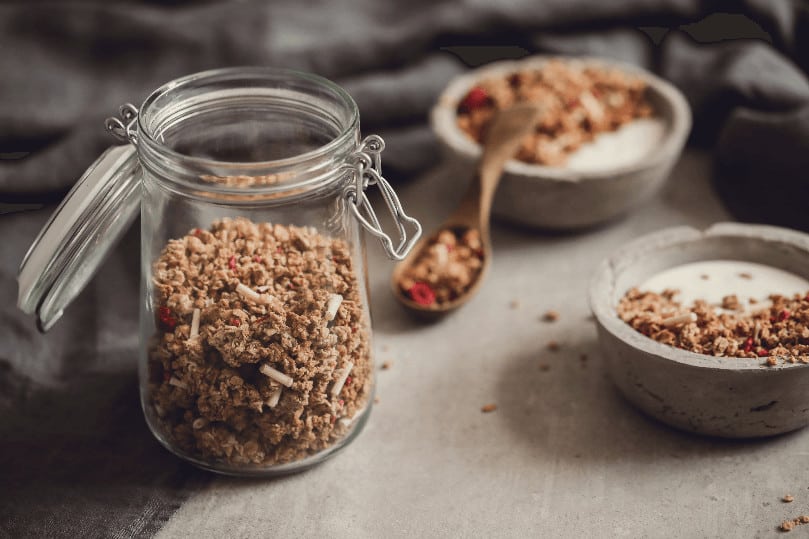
255	356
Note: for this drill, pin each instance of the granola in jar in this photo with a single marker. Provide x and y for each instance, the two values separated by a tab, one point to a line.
262	354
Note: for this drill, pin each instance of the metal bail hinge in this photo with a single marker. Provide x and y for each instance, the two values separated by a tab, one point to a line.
368	172
123	128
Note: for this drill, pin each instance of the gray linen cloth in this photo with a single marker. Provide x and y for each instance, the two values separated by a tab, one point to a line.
77	457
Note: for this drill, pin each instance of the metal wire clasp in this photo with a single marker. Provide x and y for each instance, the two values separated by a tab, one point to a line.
367	172
123	128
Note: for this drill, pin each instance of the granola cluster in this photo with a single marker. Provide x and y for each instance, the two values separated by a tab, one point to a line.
444	269
777	329
578	103
789	525
262	352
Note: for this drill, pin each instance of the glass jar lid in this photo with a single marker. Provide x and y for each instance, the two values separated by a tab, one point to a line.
69	249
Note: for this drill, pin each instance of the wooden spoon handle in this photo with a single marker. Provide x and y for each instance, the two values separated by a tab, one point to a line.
501	143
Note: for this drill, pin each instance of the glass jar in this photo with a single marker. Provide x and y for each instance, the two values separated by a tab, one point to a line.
256	348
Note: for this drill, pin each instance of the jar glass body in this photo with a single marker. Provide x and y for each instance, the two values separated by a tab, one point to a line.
255	328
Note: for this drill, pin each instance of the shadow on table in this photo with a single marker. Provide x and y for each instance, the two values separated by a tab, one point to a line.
561	406
79	460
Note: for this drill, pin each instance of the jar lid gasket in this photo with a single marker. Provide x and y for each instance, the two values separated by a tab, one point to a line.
74	242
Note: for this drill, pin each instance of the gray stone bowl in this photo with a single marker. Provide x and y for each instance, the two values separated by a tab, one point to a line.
727	397
557	197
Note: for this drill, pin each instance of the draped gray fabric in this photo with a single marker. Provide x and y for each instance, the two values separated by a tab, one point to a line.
78	459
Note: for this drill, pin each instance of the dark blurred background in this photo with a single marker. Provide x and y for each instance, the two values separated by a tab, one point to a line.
77	459
67	65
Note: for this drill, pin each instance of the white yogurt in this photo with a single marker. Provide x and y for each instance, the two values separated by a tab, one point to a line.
725	277
631	143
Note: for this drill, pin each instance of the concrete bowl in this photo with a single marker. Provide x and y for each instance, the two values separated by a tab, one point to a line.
558	197
727	397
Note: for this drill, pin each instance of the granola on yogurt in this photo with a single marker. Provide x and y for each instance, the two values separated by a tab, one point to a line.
776	330
578	103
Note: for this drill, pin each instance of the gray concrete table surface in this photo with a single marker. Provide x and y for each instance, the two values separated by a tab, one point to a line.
562	456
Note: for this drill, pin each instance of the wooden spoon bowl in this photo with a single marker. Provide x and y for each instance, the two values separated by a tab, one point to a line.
502	140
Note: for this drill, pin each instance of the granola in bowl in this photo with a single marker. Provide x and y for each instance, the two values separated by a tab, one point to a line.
579	168
262	354
578	103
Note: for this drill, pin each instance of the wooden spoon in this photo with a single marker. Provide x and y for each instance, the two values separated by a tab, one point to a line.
502	140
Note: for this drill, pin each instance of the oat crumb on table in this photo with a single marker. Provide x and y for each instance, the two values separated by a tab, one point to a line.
777	330
789	525
788	498
544	367
515	304
279	364
386	365
487	408
550	316
553	346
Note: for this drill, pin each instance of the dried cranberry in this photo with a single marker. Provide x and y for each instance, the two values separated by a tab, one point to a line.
232	262
235	321
475	99
167	320
422	294
785	314
748	344
762	352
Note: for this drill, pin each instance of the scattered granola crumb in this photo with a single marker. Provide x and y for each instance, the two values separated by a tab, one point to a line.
252	385
444	269
386	365
788	498
777	330
515	304
583	357
704	276
550	316
789	525
553	346
544	367
376	400
745	275
486	408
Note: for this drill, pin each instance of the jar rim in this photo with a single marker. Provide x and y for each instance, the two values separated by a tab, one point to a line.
149	142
